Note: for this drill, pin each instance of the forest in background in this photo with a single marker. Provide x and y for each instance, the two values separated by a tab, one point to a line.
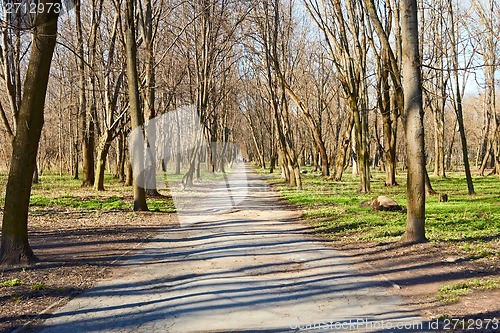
292	82
218	61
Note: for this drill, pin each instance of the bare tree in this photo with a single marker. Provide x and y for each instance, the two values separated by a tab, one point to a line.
435	45
136	116
10	69
149	19
112	77
299	87
389	85
344	30
414	126
15	248
487	33
275	28
89	101
458	92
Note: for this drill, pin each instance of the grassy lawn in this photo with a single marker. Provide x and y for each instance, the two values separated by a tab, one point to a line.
64	192
471	222
468	226
452	293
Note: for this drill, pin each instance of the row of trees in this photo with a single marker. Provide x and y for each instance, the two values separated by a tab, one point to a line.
318	81
120	64
358	58
333	72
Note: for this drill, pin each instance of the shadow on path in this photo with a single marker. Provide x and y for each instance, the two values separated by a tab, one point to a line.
255	268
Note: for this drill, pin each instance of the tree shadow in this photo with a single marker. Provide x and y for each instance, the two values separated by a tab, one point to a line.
239	274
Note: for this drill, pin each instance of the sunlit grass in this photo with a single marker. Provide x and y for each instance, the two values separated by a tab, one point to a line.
84	203
63	191
11	283
452	293
334	209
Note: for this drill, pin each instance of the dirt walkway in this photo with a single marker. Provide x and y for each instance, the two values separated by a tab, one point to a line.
252	269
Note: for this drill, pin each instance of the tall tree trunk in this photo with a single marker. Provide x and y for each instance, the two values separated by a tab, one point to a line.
438	83
86	105
87	151
361	144
463	140
491	106
449	153
438	110
386	103
136	116
342	152
15	248
150	96
315	130
414	127
458	100
102	154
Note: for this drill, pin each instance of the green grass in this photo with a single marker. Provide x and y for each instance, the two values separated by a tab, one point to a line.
39	287
56	191
11	283
83	203
334	208
63	191
161	205
452	293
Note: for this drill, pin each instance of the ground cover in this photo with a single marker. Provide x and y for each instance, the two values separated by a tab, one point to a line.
455	274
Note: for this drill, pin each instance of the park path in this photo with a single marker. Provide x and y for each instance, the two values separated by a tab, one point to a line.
255	268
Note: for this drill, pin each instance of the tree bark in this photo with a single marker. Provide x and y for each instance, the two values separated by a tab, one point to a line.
386	103
343	149
87	153
458	101
415	149
15	248
88	106
136	116
315	130
150	97
111	95
102	154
